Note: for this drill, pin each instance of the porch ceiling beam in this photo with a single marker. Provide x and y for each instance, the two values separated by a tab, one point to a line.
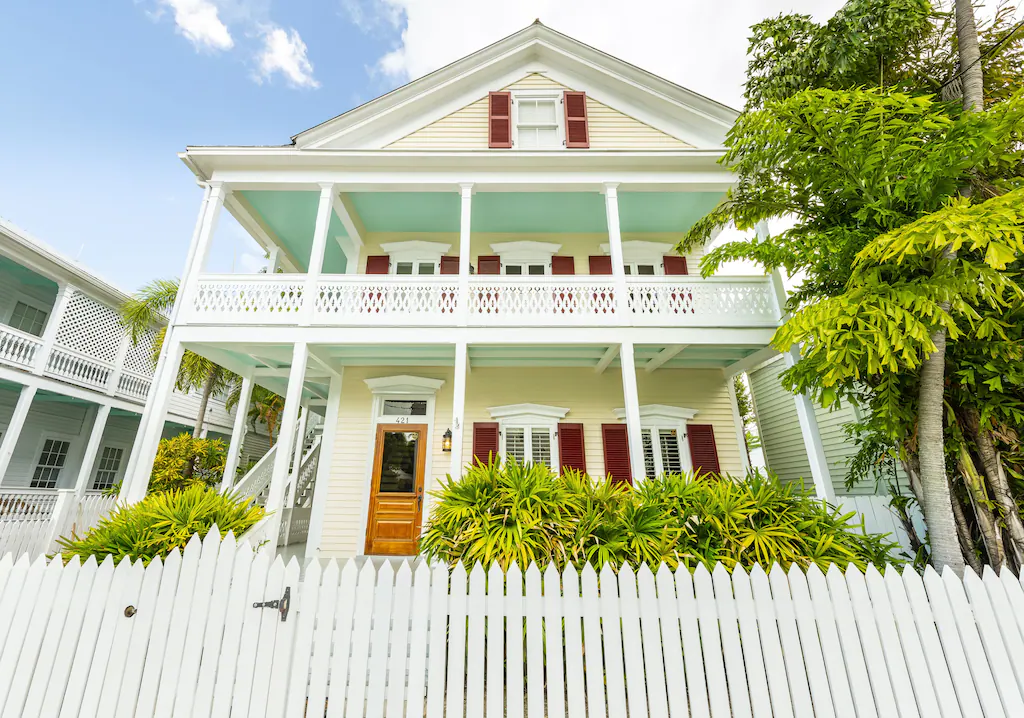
609	355
350	218
321	360
751	362
283	372
253	223
663	356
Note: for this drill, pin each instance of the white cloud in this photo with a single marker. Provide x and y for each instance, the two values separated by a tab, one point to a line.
285	52
199	21
700	45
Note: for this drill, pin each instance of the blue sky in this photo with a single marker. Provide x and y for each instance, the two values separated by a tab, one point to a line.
100	95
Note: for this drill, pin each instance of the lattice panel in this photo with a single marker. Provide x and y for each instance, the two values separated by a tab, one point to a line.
139	358
542	299
717	299
248	297
411	298
90	328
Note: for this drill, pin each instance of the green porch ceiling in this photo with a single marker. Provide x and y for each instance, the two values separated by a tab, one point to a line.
292	217
12	272
664	211
408	211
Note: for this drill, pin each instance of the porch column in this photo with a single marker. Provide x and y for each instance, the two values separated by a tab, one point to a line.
323	470
148	437
611	206
122	354
203	242
273	259
172	320
286	441
14	427
631	399
465	235
316	254
741	430
238	432
459	406
60	305
92	449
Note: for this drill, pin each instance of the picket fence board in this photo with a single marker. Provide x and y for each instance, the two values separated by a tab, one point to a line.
394	640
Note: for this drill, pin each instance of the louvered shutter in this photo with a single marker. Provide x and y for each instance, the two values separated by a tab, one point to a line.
674	264
577	133
570	447
601	264
485	441
703	451
488	265
499	120
449	265
378	264
616	453
563	265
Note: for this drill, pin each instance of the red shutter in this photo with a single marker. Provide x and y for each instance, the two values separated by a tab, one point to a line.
499	119
674	264
449	265
488	265
703	452
563	265
601	264
378	264
576	131
485	441
616	453
570	447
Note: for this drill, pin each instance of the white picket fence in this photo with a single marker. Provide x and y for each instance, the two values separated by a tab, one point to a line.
182	637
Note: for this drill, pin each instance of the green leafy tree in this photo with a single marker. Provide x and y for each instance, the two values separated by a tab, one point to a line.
144	313
264	406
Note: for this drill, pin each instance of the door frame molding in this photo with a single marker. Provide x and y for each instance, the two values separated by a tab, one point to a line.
379	429
396	387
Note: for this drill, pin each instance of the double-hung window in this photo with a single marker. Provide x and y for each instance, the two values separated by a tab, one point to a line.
538	120
51	461
28	319
107	467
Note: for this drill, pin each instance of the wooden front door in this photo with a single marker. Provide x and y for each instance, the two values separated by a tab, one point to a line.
396	494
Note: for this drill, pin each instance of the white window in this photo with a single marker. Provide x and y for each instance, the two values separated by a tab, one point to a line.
525	258
51	461
538	119
107	467
663	434
643	270
643	259
529	432
417	267
28	319
525	268
415	257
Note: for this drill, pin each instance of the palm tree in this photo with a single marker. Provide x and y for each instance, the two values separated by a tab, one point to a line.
145	313
264	405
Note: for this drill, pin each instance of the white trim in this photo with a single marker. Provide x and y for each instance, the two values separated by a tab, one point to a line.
651	413
414	251
528	412
524	253
656	417
636	252
529	417
61	474
404	384
546	95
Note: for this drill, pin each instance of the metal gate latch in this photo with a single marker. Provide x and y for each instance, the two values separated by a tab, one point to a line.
282	604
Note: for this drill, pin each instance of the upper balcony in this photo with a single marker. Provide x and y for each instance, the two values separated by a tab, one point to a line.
479	257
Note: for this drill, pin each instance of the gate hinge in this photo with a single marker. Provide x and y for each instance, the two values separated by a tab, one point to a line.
282	604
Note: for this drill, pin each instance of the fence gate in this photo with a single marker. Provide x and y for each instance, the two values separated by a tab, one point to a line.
220	630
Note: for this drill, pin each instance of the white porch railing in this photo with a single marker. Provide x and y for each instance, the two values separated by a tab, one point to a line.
256	482
32	519
18	348
133	386
78	368
365	640
358	300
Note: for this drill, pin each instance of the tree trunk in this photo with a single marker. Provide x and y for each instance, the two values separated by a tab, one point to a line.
988	522
964	536
971	75
992	465
204	401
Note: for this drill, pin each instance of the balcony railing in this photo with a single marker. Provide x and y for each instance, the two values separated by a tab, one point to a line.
363	300
17	347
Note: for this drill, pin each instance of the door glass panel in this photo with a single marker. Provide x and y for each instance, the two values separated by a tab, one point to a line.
398	462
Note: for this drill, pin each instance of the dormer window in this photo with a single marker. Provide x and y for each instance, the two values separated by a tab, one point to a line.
537	120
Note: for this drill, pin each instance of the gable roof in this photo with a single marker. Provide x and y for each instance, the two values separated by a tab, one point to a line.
652	99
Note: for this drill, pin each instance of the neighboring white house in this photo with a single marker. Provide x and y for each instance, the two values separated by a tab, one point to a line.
478	262
72	385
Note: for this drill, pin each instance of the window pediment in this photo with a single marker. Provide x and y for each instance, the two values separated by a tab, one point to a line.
660	414
415	249
527	413
404	384
641	251
525	250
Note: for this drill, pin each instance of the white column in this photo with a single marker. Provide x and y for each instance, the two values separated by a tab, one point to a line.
273	259
14	427
465	236
115	375
285	440
459	407
148	437
611	206
741	430
237	433
203	242
92	449
60	305
631	399
317	252
323	470
172	320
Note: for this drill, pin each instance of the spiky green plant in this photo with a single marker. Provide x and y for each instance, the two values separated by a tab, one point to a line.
526	513
162	522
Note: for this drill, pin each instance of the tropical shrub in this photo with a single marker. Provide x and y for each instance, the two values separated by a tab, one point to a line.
183	461
162	522
526	513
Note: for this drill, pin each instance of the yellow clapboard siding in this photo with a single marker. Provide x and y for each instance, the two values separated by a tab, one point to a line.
590	398
609	129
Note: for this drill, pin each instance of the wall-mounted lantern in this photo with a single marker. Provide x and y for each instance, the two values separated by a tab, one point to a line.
446	441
